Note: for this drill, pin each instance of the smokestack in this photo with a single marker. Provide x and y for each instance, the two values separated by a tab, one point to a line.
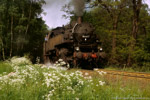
79	20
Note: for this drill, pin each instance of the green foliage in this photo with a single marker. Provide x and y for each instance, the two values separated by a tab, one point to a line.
147	43
21	21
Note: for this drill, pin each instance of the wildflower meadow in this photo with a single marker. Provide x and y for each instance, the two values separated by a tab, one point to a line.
22	80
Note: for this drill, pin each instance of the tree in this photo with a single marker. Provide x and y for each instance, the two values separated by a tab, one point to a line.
114	8
18	23
136	12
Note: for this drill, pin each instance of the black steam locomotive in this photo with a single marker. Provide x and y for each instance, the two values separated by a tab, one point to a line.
75	43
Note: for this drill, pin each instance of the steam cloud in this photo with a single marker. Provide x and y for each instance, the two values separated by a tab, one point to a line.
78	6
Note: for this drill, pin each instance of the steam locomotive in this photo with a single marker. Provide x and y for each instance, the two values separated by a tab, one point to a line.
75	43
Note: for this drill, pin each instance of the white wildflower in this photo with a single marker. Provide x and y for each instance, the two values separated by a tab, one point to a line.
76	98
86	74
21	60
101	72
69	88
101	83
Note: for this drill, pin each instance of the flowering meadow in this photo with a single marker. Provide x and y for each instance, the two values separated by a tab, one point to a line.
27	81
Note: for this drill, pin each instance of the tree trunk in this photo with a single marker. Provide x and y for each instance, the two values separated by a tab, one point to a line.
27	27
11	34
136	13
11	48
114	34
29	18
3	50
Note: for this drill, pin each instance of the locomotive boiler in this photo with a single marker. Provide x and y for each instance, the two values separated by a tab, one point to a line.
75	43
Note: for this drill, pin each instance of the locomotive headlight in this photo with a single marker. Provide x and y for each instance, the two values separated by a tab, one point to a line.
101	49
77	48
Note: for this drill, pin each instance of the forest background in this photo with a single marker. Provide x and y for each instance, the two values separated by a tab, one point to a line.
123	27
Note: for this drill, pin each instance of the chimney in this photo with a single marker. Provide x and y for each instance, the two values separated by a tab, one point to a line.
79	20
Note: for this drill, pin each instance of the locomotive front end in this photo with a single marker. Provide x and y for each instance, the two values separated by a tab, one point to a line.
86	44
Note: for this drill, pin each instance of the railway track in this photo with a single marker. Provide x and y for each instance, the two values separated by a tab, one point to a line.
138	75
123	74
135	75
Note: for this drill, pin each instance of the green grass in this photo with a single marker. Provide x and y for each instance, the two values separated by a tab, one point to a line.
129	69
33	82
5	67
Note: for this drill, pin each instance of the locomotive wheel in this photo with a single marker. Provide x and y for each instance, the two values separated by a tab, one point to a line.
75	63
53	56
62	54
46	59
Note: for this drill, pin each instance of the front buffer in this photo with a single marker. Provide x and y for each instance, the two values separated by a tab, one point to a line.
88	59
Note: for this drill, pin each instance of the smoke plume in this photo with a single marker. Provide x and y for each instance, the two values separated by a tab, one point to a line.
78	7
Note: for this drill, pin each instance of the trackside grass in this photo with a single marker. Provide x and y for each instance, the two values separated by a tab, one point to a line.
5	67
129	69
39	82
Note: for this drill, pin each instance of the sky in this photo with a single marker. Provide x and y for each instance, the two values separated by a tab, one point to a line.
53	10
53	17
